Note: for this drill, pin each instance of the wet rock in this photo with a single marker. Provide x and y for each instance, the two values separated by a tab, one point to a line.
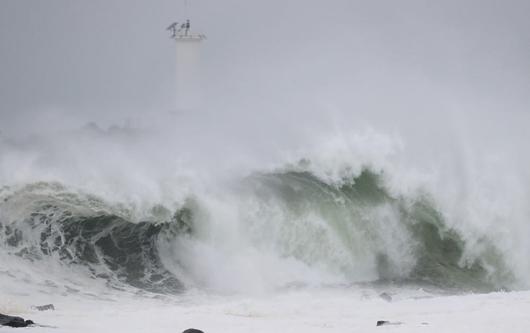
13	321
386	297
45	307
386	322
192	330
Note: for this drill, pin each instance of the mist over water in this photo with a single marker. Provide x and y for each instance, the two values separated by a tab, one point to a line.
337	144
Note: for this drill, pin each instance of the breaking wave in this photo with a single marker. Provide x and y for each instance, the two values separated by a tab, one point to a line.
268	230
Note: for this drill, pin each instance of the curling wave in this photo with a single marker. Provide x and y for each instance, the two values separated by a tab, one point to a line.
355	231
48	221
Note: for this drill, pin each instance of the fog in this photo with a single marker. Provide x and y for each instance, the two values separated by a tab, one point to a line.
110	59
433	96
278	75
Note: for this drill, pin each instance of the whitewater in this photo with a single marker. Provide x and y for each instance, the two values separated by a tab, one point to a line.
350	162
122	238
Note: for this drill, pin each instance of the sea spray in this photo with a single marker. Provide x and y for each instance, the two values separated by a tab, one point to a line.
269	231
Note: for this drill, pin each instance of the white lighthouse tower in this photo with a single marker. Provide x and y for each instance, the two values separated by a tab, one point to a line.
188	79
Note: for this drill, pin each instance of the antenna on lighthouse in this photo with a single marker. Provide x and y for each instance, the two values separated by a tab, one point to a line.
173	29
183	31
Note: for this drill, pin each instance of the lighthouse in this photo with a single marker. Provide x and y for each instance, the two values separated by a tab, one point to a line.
188	69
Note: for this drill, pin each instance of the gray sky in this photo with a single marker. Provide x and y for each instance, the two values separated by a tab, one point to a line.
106	59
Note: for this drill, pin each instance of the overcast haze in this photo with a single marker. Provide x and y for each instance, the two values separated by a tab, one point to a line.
76	61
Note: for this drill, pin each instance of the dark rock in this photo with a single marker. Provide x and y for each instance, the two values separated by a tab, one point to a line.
192	330
45	307
382	322
13	321
386	297
385	322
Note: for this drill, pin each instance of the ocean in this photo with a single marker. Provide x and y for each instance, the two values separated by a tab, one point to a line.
332	238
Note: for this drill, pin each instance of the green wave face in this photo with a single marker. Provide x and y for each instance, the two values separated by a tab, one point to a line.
365	233
356	231
81	231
